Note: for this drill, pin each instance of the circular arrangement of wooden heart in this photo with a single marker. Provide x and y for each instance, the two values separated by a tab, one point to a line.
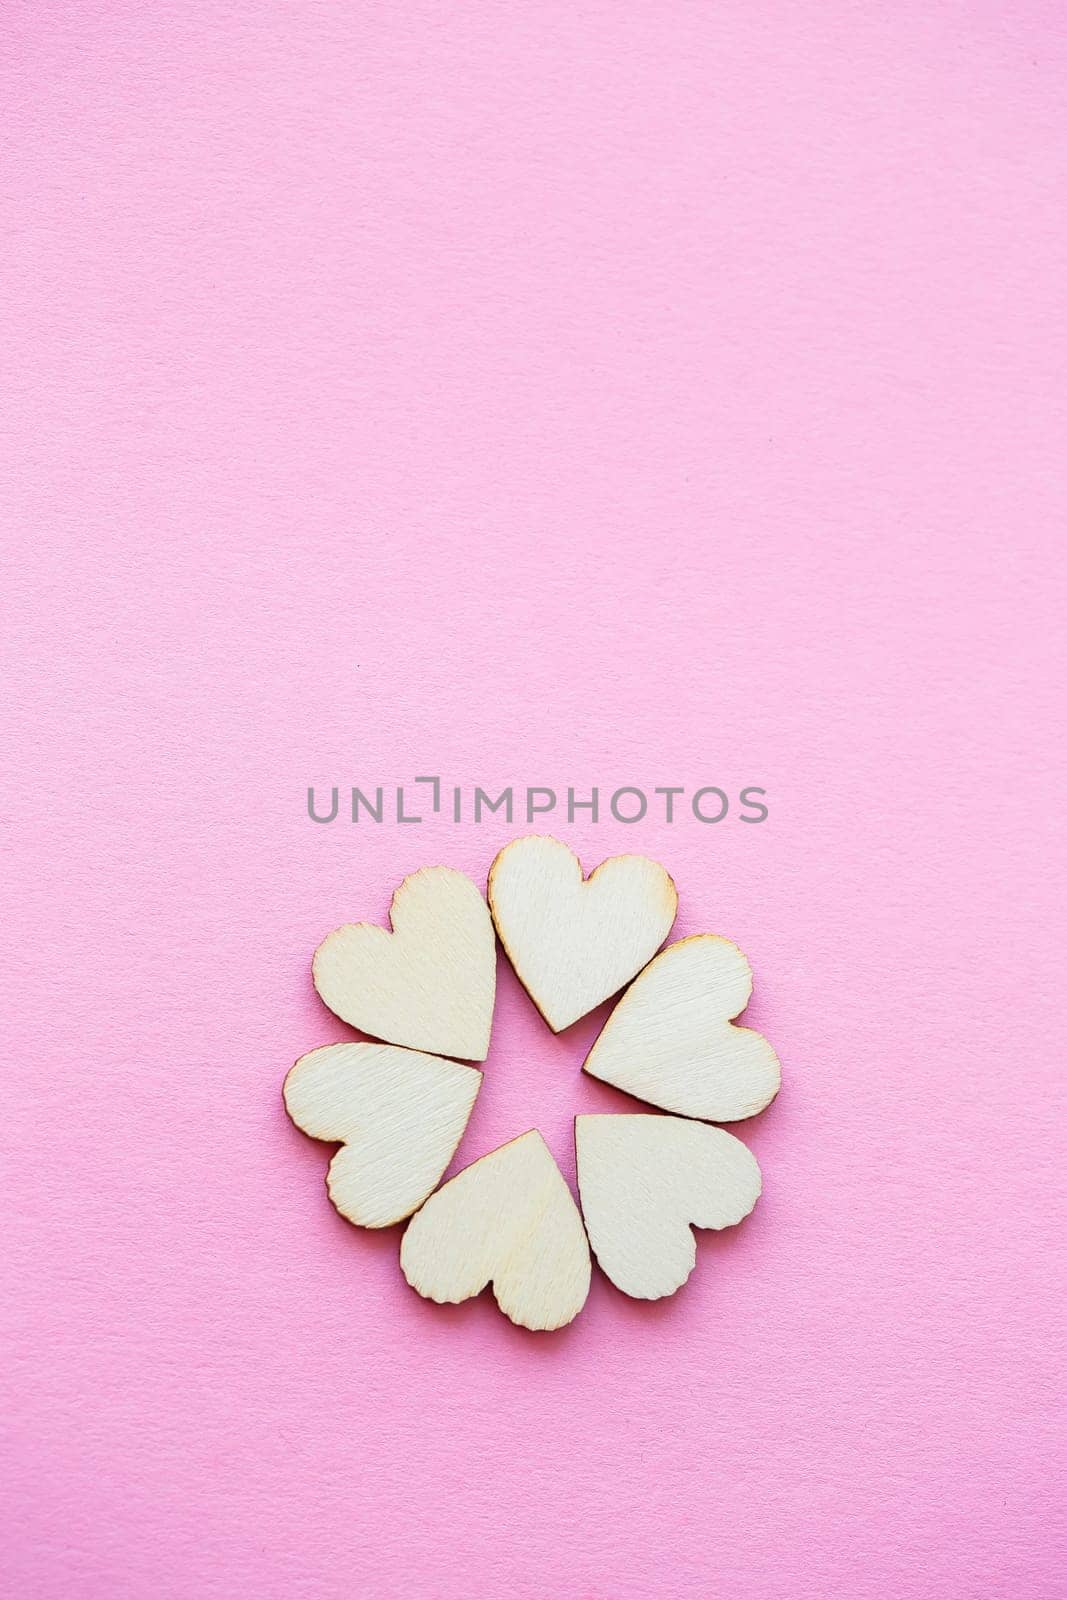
399	1108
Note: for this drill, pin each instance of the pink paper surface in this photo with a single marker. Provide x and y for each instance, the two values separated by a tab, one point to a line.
560	395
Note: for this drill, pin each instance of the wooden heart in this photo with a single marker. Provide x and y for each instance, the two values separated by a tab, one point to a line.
399	1115
671	1041
646	1182
575	943
508	1220
431	983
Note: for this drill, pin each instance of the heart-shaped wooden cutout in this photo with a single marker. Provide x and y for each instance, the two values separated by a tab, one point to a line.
646	1182
431	983
671	1041
574	943
399	1115
509	1220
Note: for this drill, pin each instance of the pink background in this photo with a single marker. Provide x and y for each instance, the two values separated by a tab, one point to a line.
563	393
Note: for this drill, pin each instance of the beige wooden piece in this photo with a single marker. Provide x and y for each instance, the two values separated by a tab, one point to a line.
574	943
646	1182
670	1040
431	983
399	1115
509	1220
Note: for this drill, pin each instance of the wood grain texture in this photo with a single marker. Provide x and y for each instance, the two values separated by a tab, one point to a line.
431	983
574	943
398	1114
646	1182
509	1220
671	1041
